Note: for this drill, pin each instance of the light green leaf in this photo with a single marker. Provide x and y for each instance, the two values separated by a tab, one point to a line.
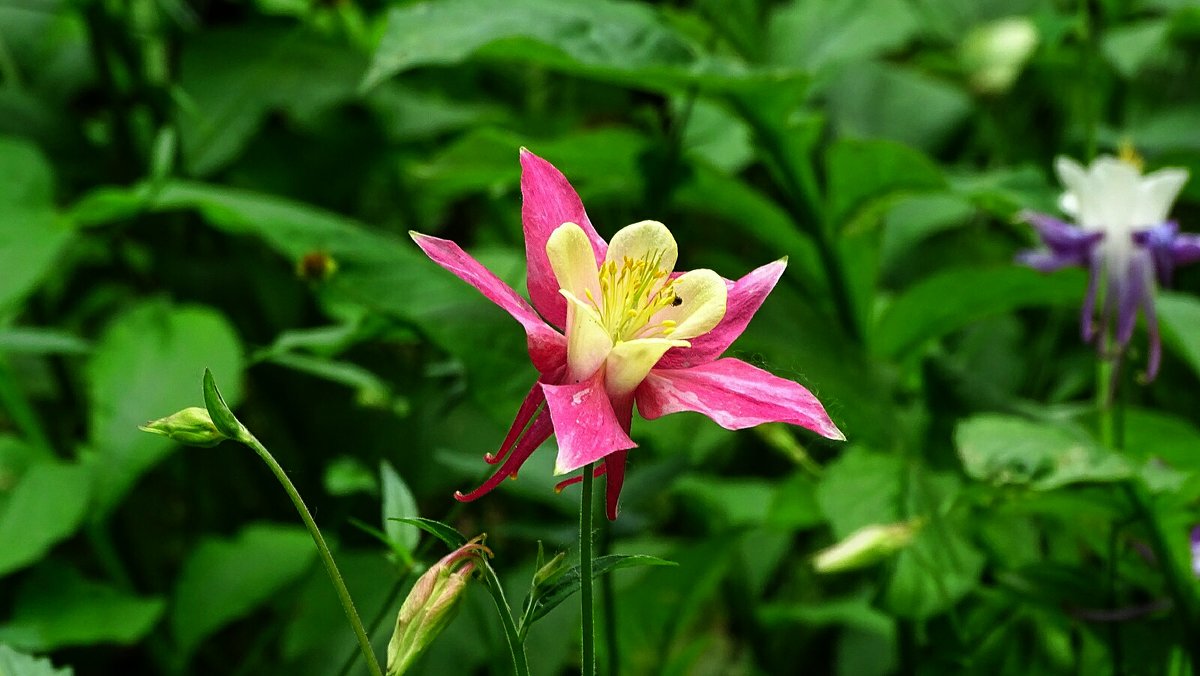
398	503
1007	450
863	175
13	663
859	489
1179	315
347	475
40	341
563	587
31	233
46	505
728	503
948	301
149	363
223	580
816	34
56	607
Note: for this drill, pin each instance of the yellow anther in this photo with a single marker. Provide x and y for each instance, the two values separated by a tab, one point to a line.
1128	154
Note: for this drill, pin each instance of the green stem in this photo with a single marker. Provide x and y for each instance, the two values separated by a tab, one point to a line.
585	574
515	643
335	576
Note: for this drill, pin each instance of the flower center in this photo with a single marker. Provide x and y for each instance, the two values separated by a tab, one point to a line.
631	294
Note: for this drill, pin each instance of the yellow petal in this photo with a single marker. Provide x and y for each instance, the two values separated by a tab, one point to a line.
573	261
647	240
588	342
702	296
631	360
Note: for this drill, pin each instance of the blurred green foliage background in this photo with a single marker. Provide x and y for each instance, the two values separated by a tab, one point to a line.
229	184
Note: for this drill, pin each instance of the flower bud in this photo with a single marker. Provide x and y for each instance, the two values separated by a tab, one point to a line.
994	54
551	570
431	605
865	546
192	426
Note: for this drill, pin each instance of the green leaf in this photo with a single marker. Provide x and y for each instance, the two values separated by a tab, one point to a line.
439	530
564	586
728	503
399	505
1179	315
817	34
883	100
1007	450
951	300
13	663
56	607
224	580
145	365
859	489
40	341
31	233
234	77
45	506
864	175
621	42
347	475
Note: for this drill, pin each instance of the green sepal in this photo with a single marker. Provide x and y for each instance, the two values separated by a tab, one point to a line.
219	411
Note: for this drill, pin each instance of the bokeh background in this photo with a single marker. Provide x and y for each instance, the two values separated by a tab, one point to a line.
229	185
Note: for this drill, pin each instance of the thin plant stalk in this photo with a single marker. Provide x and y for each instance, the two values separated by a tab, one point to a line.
585	574
335	576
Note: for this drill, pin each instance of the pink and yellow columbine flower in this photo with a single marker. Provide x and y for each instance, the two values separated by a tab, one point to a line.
615	325
1121	233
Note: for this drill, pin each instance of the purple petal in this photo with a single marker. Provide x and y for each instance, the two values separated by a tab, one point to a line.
745	297
585	424
548	201
1154	360
1195	542
1062	238
735	395
1185	249
1158	241
547	347
1047	261
1132	292
1086	326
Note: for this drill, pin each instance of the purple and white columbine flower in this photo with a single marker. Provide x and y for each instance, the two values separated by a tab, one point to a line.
1122	235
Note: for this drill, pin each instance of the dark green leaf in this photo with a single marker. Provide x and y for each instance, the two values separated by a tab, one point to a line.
45	506
563	587
441	531
1006	450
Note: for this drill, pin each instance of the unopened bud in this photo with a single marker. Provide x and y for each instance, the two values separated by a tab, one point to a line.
431	605
551	570
994	54
192	426
865	546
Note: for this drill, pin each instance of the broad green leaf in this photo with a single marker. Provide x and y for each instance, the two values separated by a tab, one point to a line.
563	587
1170	438
224	580
948	301
934	572
622	42
862	175
727	503
45	506
398	503
13	663
347	475
882	100
1006	450
31	233
817	34
57	607
859	489
149	363
1179	315
1133	46
234	77
854	611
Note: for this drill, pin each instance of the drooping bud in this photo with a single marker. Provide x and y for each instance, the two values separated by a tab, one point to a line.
865	546
192	426
431	605
994	54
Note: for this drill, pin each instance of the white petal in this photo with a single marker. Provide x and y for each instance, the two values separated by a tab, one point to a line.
630	361
573	261
1158	193
702	295
646	240
588	343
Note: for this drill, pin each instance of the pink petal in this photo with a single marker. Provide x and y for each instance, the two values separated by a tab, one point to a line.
734	394
539	431
548	201
585	425
614	469
533	400
745	297
547	347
